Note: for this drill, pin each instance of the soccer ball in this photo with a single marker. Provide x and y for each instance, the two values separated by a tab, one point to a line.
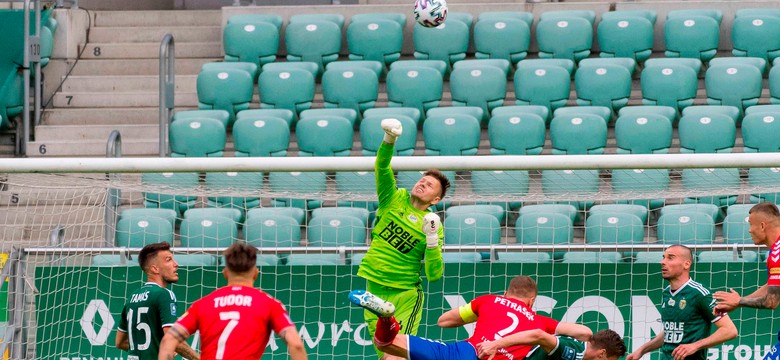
430	13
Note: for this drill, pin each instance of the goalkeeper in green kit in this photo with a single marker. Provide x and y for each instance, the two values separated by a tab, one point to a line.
405	233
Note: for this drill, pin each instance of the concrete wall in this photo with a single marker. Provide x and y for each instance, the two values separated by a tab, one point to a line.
127	4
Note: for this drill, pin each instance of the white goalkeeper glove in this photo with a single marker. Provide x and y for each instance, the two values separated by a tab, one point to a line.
393	130
431	225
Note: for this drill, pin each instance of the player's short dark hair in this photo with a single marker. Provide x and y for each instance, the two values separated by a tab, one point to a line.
688	251
522	286
609	341
443	180
149	252
767	208
240	257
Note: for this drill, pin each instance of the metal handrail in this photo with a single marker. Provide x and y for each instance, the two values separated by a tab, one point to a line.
113	195
114	145
167	88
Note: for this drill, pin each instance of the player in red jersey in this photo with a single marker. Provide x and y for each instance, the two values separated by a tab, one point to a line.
496	316
235	321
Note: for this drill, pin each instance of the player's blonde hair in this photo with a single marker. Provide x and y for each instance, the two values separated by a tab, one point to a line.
522	287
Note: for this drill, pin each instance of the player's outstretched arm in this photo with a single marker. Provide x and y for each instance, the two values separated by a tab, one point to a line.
577	331
385	180
294	344
122	341
528	337
725	332
649	346
175	335
455	318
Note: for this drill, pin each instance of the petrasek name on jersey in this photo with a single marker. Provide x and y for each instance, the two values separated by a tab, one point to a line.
398	238
673	331
139	297
514	306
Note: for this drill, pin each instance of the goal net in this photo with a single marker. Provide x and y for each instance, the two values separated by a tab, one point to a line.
590	233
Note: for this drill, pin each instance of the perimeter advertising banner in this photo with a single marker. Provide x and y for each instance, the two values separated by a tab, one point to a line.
78	308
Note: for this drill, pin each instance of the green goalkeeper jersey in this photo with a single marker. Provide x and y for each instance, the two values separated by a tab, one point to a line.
687	317
397	240
567	349
148	310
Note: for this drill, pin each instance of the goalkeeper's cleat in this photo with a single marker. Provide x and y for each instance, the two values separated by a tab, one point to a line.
372	303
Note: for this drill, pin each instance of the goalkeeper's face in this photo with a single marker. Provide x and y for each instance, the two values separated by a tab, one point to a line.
428	190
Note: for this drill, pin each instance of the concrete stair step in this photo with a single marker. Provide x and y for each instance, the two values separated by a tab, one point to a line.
181	34
159	18
149	50
133	132
137	66
149	147
119	99
125	83
98	116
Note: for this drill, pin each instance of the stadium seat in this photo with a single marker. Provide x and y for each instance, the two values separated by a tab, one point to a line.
298	214
614	228
227	89
139	231
627	36
207	231
578	134
547	85
774	85
764	179
497	211
167	214
641	110
502	64
197	137
336	229
315	259
516	134
756	36
249	67
636	210
105	260
601	111
231	182
349	114
276	20
708	110
715	14
543	228
375	39
415	87
371	135
375	66
686	228
337	19
411	112
756	11
291	89
648	257
519	110
177	188
11	95
220	115
759	132
737	85
438	65
324	136
563	182
741	209
523	257
474	111
605	85
758	62
501	38
643	134
735	229
763	109
261	136
251	42
360	213
453	134
727	256
317	41
711	210
298	184
566	209
716	133
461	257
624	62
692	36
524	16
483	87
310	67
497	184
592	257
566	64
447	42
471	229
233	214
673	85
641	185
711	181
358	183
588	15
355	89
565	37
267	260
255	114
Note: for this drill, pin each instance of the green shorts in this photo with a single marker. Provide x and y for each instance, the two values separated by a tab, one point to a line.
408	308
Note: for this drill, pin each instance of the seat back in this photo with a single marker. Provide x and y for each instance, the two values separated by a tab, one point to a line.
291	89
543	84
472	229
266	136
197	137
375	39
644	134
578	134
671	85
352	89
737	85
759	132
542	228
605	85
455	134
334	229
447	43
686	228
324	136
272	230
139	231
492	38
564	37
516	135
256	42
614	228
693	36
756	36
225	89
626	36
415	87
706	134
483	87
208	231
317	41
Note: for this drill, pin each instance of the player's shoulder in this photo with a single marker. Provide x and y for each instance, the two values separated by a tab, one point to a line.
698	288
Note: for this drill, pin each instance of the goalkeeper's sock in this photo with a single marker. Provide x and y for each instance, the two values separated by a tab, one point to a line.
386	330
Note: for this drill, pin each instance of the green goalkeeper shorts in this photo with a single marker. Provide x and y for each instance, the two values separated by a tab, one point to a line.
408	308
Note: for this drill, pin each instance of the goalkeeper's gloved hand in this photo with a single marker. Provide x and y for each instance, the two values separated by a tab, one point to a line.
431	225
393	130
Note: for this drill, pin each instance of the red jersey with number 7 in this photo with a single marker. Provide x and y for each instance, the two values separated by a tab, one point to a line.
499	317
235	322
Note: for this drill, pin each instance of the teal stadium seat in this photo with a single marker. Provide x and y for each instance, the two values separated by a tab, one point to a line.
519	110
502	64
614	228
741	209
474	111
502	38
711	181
170	191
648	257
707	110
416	87
559	183
11	95
516	134
197	137
249	67
412	113
447	42
578	134
453	134
496	211
523	257
358	183
691	36
372	135
774	84
360	213
375	39
625	35
764	179
221	115
483	87
523	16
461	257
716	133
593	257
356	89
400	18
254	114
332	229
636	210
686	228
758	62
311	67
226	89
735	229
543	228
276	20
233	214
737	85
291	89
438	65
672	85
718	256
261	136
207	231
605	84
324	136
601	111
271	230
306	186
377	67
232	182
566	64
711	210
759	132
588	15
337	19
627	63
756	36
568	210
715	14
542	83
349	114
167	214
643	134
317	41
499	184
105	260
139	231
267	260
298	214
639	110
256	42
565	37
642	185
472	229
